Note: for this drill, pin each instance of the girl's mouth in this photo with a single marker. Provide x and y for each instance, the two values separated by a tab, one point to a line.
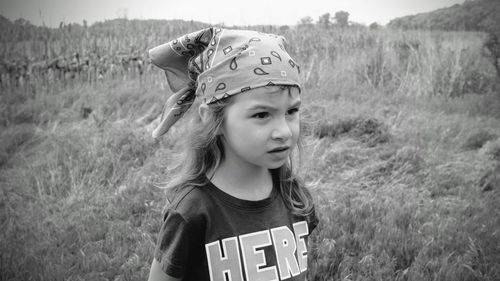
279	149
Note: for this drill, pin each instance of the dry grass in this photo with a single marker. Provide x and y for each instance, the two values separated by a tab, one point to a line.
401	152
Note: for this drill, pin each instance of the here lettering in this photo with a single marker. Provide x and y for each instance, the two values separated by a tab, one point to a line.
290	249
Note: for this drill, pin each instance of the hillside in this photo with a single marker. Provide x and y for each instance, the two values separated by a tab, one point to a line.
470	16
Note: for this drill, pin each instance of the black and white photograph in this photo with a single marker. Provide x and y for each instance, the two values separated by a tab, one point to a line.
163	140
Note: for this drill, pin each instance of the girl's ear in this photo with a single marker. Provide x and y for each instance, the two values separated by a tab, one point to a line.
203	112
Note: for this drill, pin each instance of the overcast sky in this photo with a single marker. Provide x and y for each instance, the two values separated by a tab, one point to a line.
229	12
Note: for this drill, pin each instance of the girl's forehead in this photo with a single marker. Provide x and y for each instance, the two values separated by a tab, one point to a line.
273	94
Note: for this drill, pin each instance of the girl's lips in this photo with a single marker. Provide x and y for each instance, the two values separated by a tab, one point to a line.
279	154
279	149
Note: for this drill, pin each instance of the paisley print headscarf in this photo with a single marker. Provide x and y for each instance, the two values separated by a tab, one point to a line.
214	63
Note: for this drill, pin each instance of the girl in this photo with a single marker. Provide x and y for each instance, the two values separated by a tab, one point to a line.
238	212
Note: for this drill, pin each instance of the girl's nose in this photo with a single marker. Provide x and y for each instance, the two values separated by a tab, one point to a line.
282	130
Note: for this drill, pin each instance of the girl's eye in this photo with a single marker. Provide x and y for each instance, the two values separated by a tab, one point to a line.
261	115
293	111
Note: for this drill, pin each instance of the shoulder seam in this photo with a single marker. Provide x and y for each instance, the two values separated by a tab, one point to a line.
183	194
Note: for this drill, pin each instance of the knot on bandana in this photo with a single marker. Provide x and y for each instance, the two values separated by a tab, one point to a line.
215	63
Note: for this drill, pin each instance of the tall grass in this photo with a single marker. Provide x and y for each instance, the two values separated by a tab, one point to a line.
401	140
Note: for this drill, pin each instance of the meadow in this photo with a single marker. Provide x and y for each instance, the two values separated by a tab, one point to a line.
401	150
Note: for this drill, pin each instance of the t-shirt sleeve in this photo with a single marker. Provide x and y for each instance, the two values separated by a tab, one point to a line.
173	245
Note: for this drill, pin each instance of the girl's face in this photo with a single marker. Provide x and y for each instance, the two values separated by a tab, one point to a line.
261	127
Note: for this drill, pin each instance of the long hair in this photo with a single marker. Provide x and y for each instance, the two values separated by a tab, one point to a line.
204	152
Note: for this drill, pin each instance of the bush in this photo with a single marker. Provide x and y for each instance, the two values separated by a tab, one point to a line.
491	179
12	138
492	50
492	149
367	130
476	140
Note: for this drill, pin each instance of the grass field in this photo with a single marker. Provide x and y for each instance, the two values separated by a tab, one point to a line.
401	151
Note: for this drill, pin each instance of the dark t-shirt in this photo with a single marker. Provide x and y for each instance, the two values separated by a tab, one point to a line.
208	234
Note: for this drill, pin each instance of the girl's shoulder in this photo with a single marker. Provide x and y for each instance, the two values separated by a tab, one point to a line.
189	201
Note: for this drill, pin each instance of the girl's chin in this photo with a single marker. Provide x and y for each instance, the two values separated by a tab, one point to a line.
276	164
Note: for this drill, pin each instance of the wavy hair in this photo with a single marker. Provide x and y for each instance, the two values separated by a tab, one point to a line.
204	152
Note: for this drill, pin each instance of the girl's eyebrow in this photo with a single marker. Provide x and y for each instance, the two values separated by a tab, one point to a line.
261	107
270	107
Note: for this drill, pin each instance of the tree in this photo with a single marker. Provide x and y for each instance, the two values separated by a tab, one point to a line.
284	28
491	46
22	22
342	18
306	21
324	20
374	26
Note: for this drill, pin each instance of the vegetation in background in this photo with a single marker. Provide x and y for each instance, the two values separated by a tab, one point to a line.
472	15
401	151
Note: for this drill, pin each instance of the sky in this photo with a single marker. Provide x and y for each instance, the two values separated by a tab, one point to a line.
229	12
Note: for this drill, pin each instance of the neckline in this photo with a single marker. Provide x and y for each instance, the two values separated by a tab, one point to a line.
242	203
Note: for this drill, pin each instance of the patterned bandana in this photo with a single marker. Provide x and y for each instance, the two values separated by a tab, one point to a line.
214	63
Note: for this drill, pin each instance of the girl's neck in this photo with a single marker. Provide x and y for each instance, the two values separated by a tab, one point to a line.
247	183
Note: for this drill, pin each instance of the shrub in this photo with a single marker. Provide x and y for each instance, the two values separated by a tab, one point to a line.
367	130
406	160
492	149
12	139
491	179
476	140
491	48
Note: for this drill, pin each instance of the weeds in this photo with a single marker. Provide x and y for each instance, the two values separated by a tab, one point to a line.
492	150
367	130
478	139
406	185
